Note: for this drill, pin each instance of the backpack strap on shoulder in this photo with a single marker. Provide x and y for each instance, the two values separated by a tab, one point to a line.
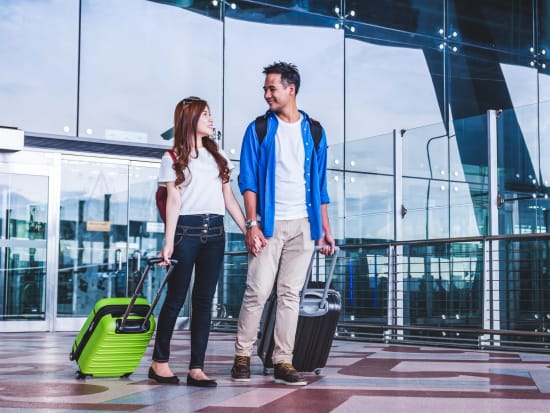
316	131
261	127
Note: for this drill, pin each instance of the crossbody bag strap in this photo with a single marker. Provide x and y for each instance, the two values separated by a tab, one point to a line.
173	155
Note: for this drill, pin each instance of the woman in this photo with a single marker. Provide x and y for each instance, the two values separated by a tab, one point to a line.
199	192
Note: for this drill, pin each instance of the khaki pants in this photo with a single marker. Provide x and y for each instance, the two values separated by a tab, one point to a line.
289	250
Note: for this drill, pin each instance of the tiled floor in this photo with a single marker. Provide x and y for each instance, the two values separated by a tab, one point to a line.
37	375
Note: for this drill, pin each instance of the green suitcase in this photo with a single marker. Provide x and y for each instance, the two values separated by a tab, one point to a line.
117	332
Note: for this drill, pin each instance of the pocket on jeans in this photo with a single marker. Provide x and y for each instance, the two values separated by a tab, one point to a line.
178	239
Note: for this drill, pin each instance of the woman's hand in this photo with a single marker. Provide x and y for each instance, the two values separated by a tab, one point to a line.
166	253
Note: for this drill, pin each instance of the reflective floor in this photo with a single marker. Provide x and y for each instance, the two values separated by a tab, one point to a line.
37	375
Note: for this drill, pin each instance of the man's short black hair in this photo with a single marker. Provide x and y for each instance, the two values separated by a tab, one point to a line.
288	71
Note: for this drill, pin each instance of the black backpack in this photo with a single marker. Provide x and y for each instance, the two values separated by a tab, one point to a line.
315	126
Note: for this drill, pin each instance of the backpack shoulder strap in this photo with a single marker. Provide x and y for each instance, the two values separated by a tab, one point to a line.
261	127
316	132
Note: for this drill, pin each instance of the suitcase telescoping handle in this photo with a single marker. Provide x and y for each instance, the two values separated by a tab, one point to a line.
151	262
305	291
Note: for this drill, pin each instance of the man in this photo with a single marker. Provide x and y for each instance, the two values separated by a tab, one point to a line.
283	182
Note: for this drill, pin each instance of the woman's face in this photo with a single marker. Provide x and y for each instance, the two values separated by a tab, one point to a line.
205	124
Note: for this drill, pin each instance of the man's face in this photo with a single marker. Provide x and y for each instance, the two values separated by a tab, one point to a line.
276	94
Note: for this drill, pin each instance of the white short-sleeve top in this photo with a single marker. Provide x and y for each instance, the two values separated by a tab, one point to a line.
201	192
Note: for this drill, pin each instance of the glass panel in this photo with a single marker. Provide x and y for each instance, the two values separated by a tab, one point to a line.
480	80
497	24
390	86
361	277
419	16
518	171
93	234
231	286
544	136
319	47
25	280
469	209
206	7
325	7
337	205
23	234
370	154
524	285
146	230
38	74
427	203
129	89
24	207
369	207
443	286
287	12
425	152
469	184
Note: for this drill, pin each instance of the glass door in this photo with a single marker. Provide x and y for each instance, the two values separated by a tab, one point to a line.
27	240
108	228
93	233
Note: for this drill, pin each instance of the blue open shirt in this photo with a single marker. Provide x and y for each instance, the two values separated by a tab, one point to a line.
257	174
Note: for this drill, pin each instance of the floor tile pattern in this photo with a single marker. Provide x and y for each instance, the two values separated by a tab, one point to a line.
37	375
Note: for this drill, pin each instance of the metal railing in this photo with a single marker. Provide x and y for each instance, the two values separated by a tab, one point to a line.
473	292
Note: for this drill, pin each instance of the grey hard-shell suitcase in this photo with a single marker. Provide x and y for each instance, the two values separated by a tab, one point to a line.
320	308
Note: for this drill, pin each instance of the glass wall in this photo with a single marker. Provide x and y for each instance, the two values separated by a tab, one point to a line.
402	89
131	80
93	234
39	70
109	229
316	48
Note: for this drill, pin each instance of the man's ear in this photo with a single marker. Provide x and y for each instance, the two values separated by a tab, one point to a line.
292	90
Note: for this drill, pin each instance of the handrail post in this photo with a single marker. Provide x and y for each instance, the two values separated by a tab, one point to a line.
491	289
396	252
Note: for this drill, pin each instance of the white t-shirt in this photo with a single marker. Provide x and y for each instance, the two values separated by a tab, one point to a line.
290	193
201	192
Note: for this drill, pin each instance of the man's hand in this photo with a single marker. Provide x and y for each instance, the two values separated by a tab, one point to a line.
255	240
327	244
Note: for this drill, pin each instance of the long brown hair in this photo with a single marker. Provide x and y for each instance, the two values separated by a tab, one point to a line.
186	117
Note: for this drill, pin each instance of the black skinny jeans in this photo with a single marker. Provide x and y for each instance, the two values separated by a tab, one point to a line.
199	242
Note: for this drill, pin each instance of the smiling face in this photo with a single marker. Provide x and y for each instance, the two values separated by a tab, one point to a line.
205	124
278	95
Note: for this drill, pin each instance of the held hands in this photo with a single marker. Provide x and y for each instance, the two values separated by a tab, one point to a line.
255	240
327	244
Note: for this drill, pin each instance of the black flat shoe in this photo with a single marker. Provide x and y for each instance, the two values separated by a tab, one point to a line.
201	383
161	379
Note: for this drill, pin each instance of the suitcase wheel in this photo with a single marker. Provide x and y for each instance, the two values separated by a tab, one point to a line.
317	371
79	375
125	376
